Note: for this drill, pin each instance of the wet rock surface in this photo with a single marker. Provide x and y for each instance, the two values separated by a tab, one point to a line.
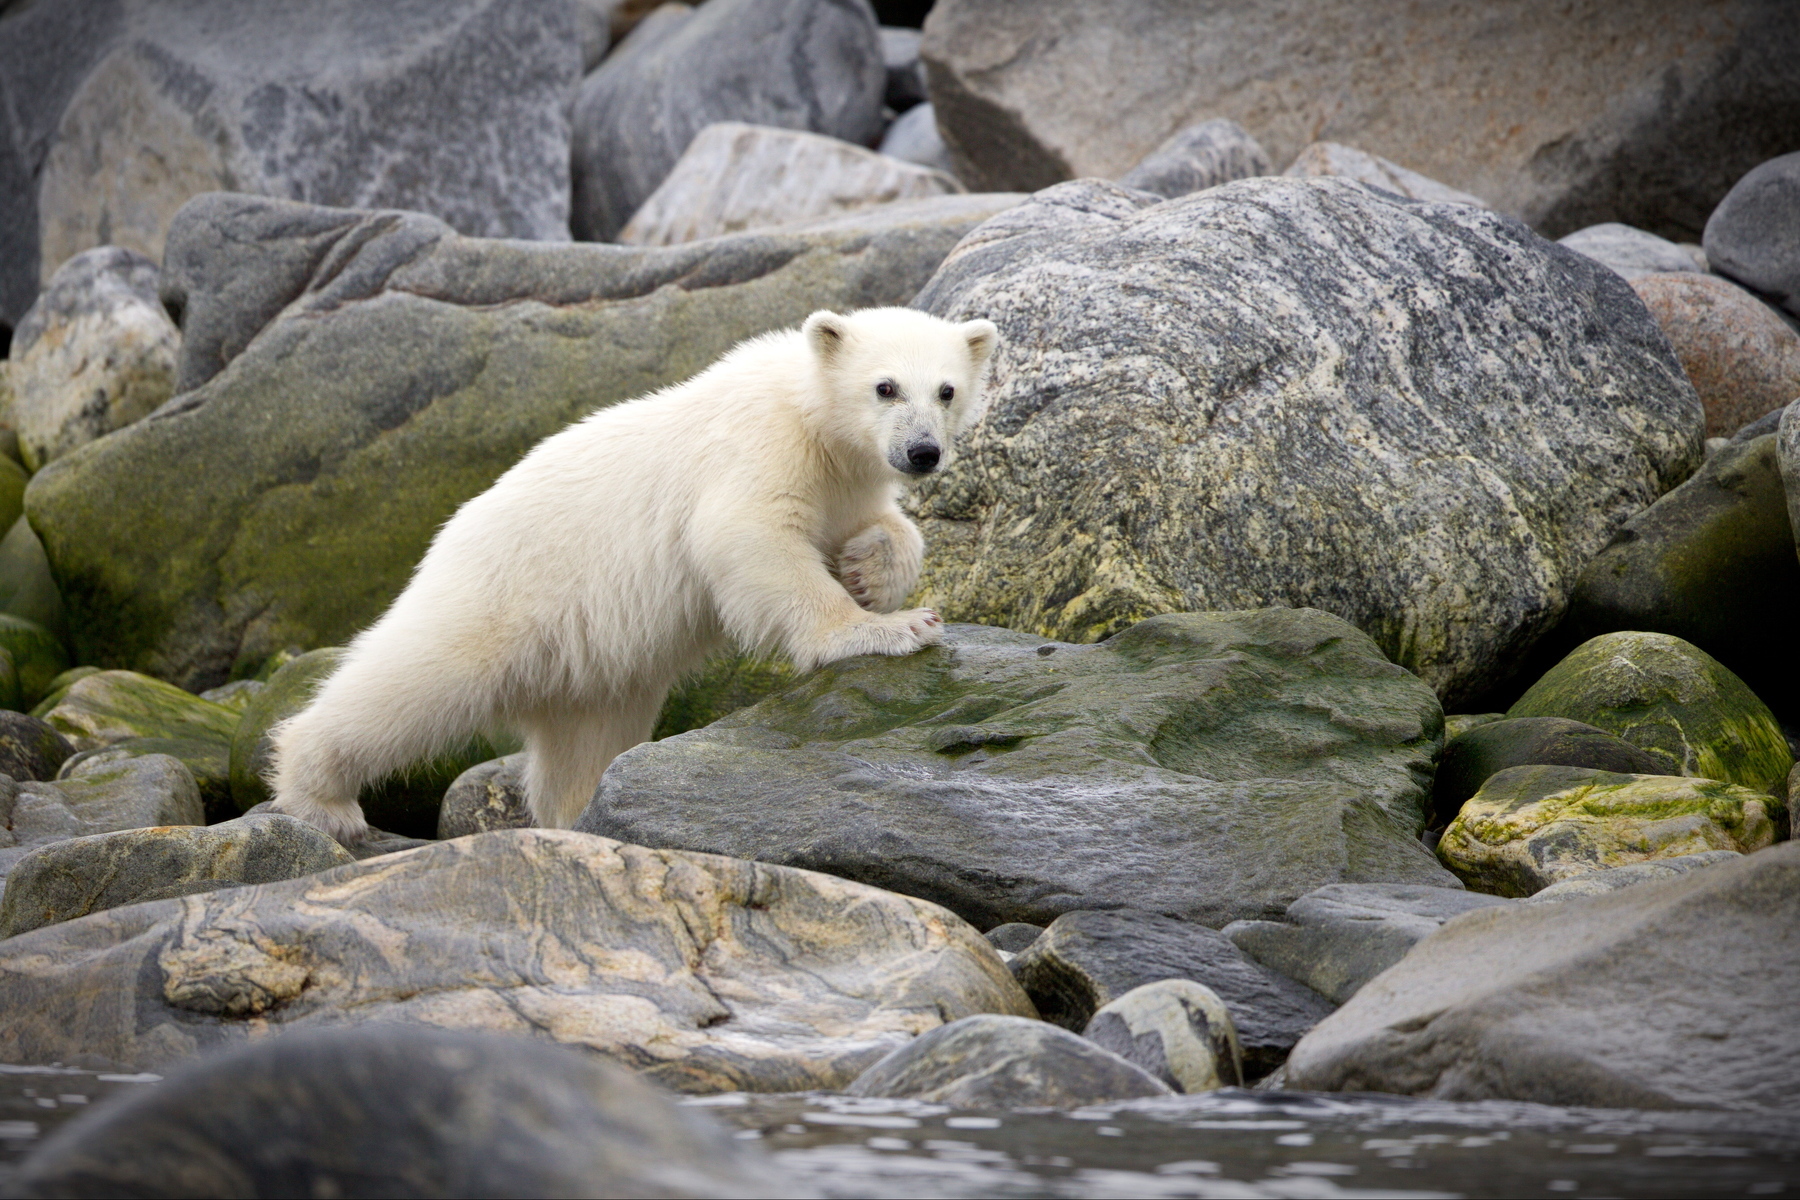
1229	763
701	973
1252	435
1175	1029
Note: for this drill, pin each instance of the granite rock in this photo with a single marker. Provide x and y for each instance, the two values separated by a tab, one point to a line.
1611	879
1198	157
702	973
137	794
1086	960
1000	1062
1175	1029
1469	760
1227	762
29	748
812	65
1750	235
72	878
1632	253
397	1111
1530	827
914	138
95	352
1668	995
1562	115
1336	939
486	797
1743	359
285	499
1296	391
1330	159
734	178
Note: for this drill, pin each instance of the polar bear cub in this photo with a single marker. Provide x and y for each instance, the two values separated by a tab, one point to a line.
754	504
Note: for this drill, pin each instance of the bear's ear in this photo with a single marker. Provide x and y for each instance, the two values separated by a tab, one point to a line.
983	337
826	333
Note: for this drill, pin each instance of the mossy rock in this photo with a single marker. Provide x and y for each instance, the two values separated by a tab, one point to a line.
13	479
1530	827
1671	698
405	804
26	586
1472	758
108	707
723	685
9	683
37	654
208	759
1457	724
59	687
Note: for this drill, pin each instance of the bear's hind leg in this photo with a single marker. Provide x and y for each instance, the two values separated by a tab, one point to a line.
567	750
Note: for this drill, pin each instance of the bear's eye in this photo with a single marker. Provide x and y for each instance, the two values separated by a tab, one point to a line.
946	393
886	389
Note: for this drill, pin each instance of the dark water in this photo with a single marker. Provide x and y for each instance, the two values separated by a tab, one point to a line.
1223	1144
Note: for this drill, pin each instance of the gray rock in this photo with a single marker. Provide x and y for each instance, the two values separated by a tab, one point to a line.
1338	938
914	138
705	974
285	500
1227	762
1599	883
1788	452
1769	422
1251	432
1469	760
905	70
1198	157
397	1111
327	101
1630	252
1712	562
1573	121
94	353
135	794
1005	1062
1175	1029
1013	936
237	694
29	748
1672	994
737	178
1750	235
813	65
487	796
1330	159
78	876
1086	960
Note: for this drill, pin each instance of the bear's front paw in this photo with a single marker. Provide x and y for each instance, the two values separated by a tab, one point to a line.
923	626
343	823
876	570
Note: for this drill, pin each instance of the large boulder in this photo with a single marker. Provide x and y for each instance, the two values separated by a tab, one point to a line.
284	499
813	65
1742	358
94	353
1750	236
1611	879
1213	765
388	1111
1474	756
1668	995
149	791
704	973
1563	115
1288	391
111	716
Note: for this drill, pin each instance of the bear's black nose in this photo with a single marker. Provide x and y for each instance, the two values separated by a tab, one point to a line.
922	457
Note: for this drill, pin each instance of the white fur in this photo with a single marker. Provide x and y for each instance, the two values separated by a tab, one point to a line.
566	599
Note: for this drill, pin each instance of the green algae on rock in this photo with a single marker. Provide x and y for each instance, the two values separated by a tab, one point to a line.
1671	698
37	655
1530	827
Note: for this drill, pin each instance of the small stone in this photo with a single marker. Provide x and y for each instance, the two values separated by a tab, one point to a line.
1630	252
78	876
1005	1062
1530	827
914	138
1324	159
1198	157
1671	698
1611	879
487	796
1469	760
112	716
397	1110
206	759
1013	936
1176	1030
1339	937
30	748
1086	960
1750	235
1743	359
736	178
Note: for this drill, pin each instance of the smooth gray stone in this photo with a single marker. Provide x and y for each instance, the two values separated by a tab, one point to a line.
1628	251
914	138
1198	157
1249	432
135	793
29	748
1086	960
1673	994
397	1111
1175	1029
1751	236
487	796
1339	937
1005	1062
813	65
1769	422
1599	883
72	878
1013	936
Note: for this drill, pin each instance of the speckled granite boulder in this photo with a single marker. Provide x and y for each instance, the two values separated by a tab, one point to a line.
1216	765
1220	416
1006	1062
703	973
1198	157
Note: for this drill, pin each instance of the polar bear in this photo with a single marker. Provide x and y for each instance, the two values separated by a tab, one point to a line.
755	504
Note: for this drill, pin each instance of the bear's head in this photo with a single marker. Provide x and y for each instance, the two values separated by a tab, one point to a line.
899	384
